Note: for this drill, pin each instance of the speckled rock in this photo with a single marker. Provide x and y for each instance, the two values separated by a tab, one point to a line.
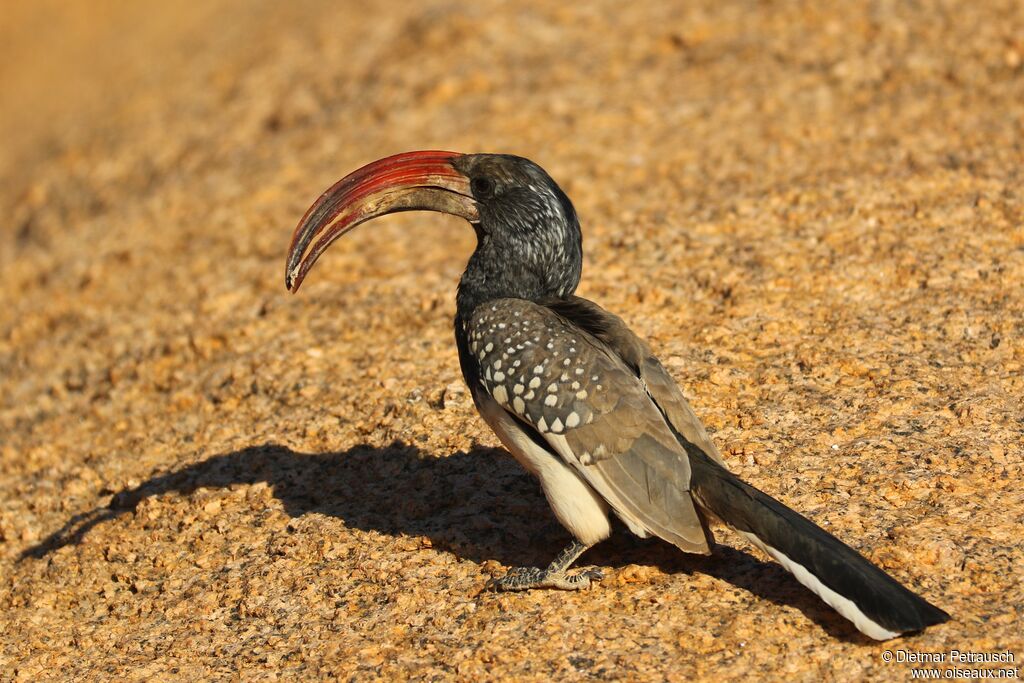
814	215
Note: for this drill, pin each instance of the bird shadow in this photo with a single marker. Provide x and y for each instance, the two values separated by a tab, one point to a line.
479	505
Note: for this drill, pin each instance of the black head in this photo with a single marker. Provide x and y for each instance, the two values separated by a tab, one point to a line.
529	243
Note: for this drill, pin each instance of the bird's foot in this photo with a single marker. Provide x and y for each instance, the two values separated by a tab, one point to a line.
526	578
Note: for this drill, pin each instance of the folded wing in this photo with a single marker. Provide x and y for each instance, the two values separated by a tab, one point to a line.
586	405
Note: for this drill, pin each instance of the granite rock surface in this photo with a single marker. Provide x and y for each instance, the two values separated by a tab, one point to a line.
815	215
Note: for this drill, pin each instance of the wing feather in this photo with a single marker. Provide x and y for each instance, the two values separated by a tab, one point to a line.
592	409
611	330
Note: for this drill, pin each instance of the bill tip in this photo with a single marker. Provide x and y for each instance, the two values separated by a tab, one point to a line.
291	280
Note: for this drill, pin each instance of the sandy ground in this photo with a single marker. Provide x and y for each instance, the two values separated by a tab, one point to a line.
814	215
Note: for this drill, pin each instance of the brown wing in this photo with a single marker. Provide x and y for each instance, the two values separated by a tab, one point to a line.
589	407
637	355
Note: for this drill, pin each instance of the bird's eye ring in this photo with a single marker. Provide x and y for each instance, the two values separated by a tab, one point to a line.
482	187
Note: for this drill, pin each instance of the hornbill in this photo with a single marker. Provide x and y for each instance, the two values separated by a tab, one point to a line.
576	397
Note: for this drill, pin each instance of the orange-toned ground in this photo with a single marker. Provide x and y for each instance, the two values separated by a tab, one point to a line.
815	215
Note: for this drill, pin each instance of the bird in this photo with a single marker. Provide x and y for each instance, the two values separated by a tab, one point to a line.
578	399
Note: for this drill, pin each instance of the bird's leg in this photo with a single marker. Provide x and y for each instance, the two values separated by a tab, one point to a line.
555	576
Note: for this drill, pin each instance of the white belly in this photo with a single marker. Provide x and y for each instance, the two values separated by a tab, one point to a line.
575	504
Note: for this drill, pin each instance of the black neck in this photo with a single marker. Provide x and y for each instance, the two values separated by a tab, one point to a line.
547	264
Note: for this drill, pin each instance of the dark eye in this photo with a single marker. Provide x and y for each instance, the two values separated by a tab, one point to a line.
482	187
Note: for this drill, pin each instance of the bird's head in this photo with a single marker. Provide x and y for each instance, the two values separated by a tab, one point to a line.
528	236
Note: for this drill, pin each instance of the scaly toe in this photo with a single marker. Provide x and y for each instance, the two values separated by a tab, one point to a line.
576	581
518	579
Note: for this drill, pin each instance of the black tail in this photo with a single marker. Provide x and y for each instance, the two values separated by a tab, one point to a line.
875	602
